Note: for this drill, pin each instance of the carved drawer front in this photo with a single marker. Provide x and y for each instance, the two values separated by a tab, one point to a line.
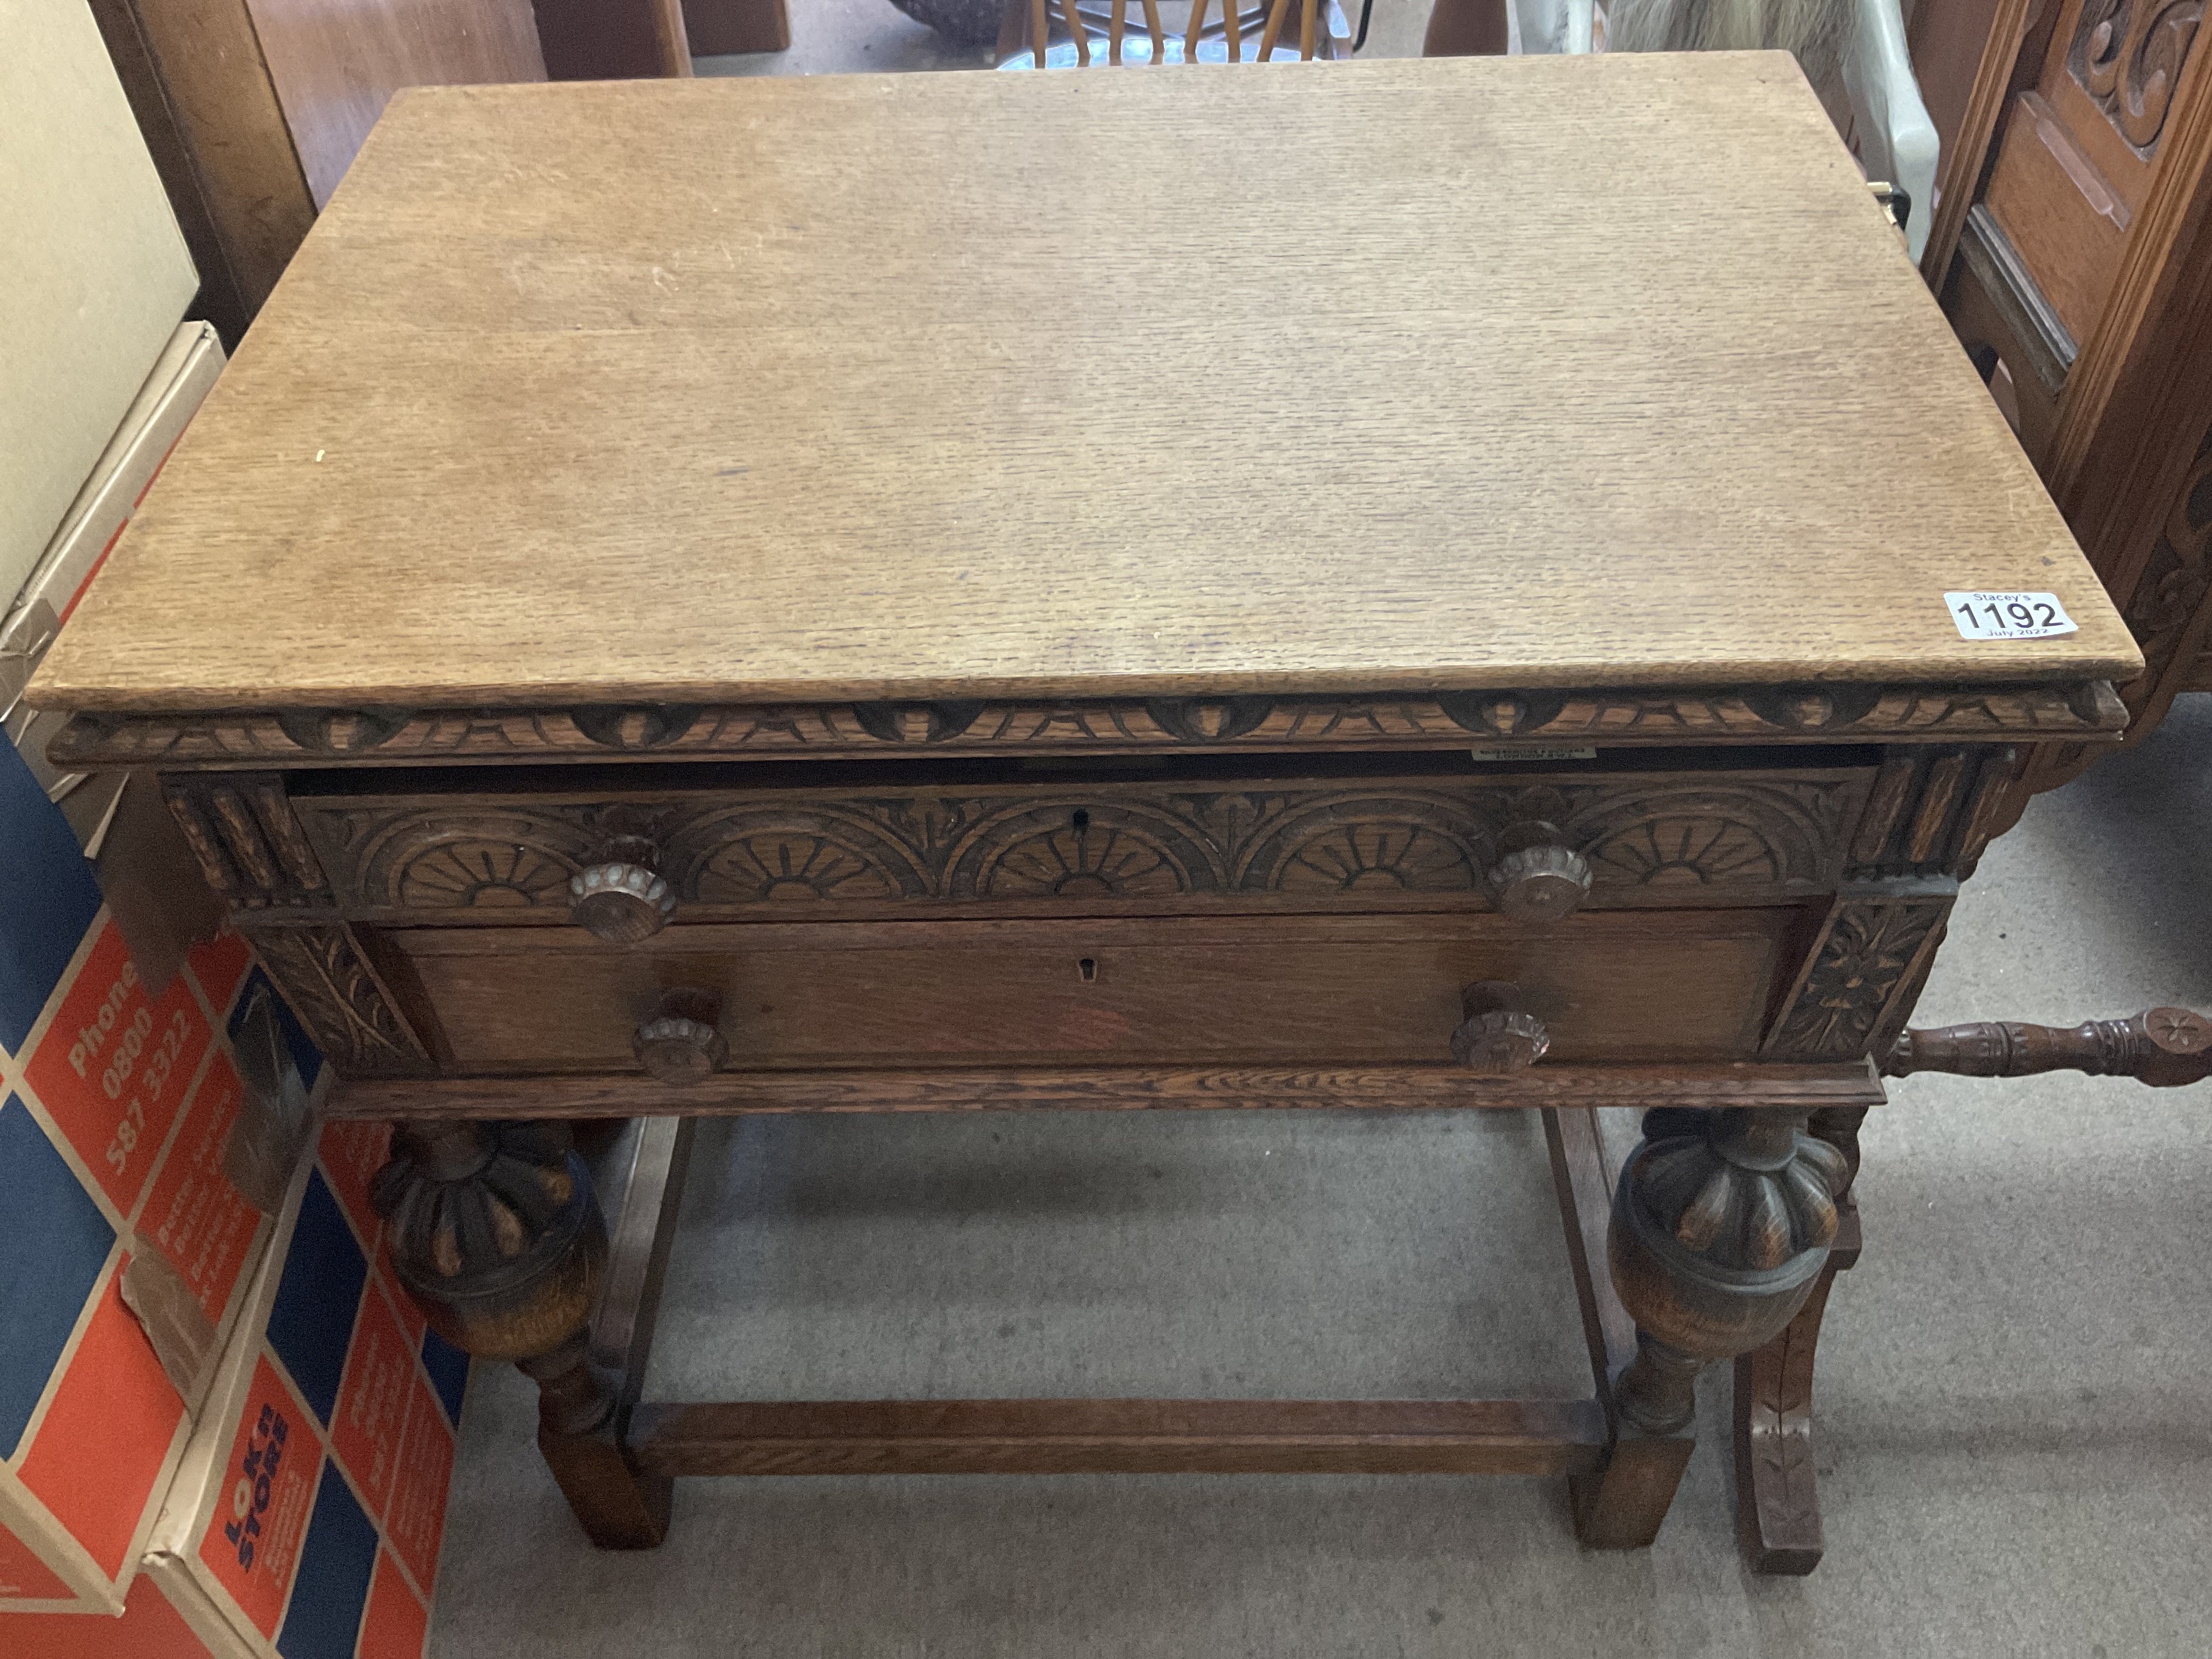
1437	840
1608	986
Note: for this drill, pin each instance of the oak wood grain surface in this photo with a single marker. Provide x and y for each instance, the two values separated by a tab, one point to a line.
1619	986
1795	1086
928	386
1129	1437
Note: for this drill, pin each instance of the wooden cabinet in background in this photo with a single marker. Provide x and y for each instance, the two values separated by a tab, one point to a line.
2072	253
253	109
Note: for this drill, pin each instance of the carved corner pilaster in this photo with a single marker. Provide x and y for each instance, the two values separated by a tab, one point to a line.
338	995
249	845
1933	811
1865	970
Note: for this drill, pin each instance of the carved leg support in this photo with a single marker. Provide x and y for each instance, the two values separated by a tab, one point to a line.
617	1504
1778	1495
496	1234
1621	1506
1722	1225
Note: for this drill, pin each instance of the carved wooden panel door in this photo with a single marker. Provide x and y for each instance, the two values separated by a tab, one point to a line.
2072	253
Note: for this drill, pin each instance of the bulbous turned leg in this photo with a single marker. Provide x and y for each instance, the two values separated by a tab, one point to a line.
496	1233
1721	1226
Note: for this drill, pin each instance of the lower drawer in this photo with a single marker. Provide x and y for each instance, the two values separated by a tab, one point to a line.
1609	986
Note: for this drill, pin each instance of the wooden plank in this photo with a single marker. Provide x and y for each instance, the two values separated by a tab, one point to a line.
638	1245
898	497
227	109
1966	157
335	67
609	39
1386	1088
1124	1437
1584	1183
720	26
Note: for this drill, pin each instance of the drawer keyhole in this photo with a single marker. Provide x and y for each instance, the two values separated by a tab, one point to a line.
1082	820
1088	968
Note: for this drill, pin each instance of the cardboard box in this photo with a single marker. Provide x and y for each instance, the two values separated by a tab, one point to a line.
308	1507
148	1627
307	1512
129	1245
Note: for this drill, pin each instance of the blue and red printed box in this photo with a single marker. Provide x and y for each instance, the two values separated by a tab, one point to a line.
306	1520
116	1103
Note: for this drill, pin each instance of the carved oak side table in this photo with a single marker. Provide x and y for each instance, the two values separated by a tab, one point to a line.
676	609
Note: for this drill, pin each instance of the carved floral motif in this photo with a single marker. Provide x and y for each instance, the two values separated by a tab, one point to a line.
1871	945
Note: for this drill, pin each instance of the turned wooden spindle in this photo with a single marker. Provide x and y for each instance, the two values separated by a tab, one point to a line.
496	1233
622	898
494	1229
2164	1048
1721	1225
1498	1035
680	1044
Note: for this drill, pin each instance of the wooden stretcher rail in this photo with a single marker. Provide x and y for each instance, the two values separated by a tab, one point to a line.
1110	1088
1125	1436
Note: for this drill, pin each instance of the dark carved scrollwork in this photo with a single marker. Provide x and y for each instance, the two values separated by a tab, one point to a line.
915	722
2128	55
342	731
327	980
1347	724
645	726
2175	582
1196	721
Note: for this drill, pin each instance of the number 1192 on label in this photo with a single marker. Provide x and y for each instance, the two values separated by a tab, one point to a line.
2009	616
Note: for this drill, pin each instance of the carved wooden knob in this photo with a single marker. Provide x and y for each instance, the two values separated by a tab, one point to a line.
1540	882
1498	1036
622	901
679	1044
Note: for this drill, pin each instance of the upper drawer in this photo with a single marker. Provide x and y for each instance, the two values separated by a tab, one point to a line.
1658	836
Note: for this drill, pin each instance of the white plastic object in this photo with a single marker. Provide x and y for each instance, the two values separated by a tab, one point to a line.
1897	139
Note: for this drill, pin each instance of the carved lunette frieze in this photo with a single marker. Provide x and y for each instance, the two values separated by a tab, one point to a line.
1833	714
1763	832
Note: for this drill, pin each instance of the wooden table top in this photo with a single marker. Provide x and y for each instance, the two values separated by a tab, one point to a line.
1468	373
